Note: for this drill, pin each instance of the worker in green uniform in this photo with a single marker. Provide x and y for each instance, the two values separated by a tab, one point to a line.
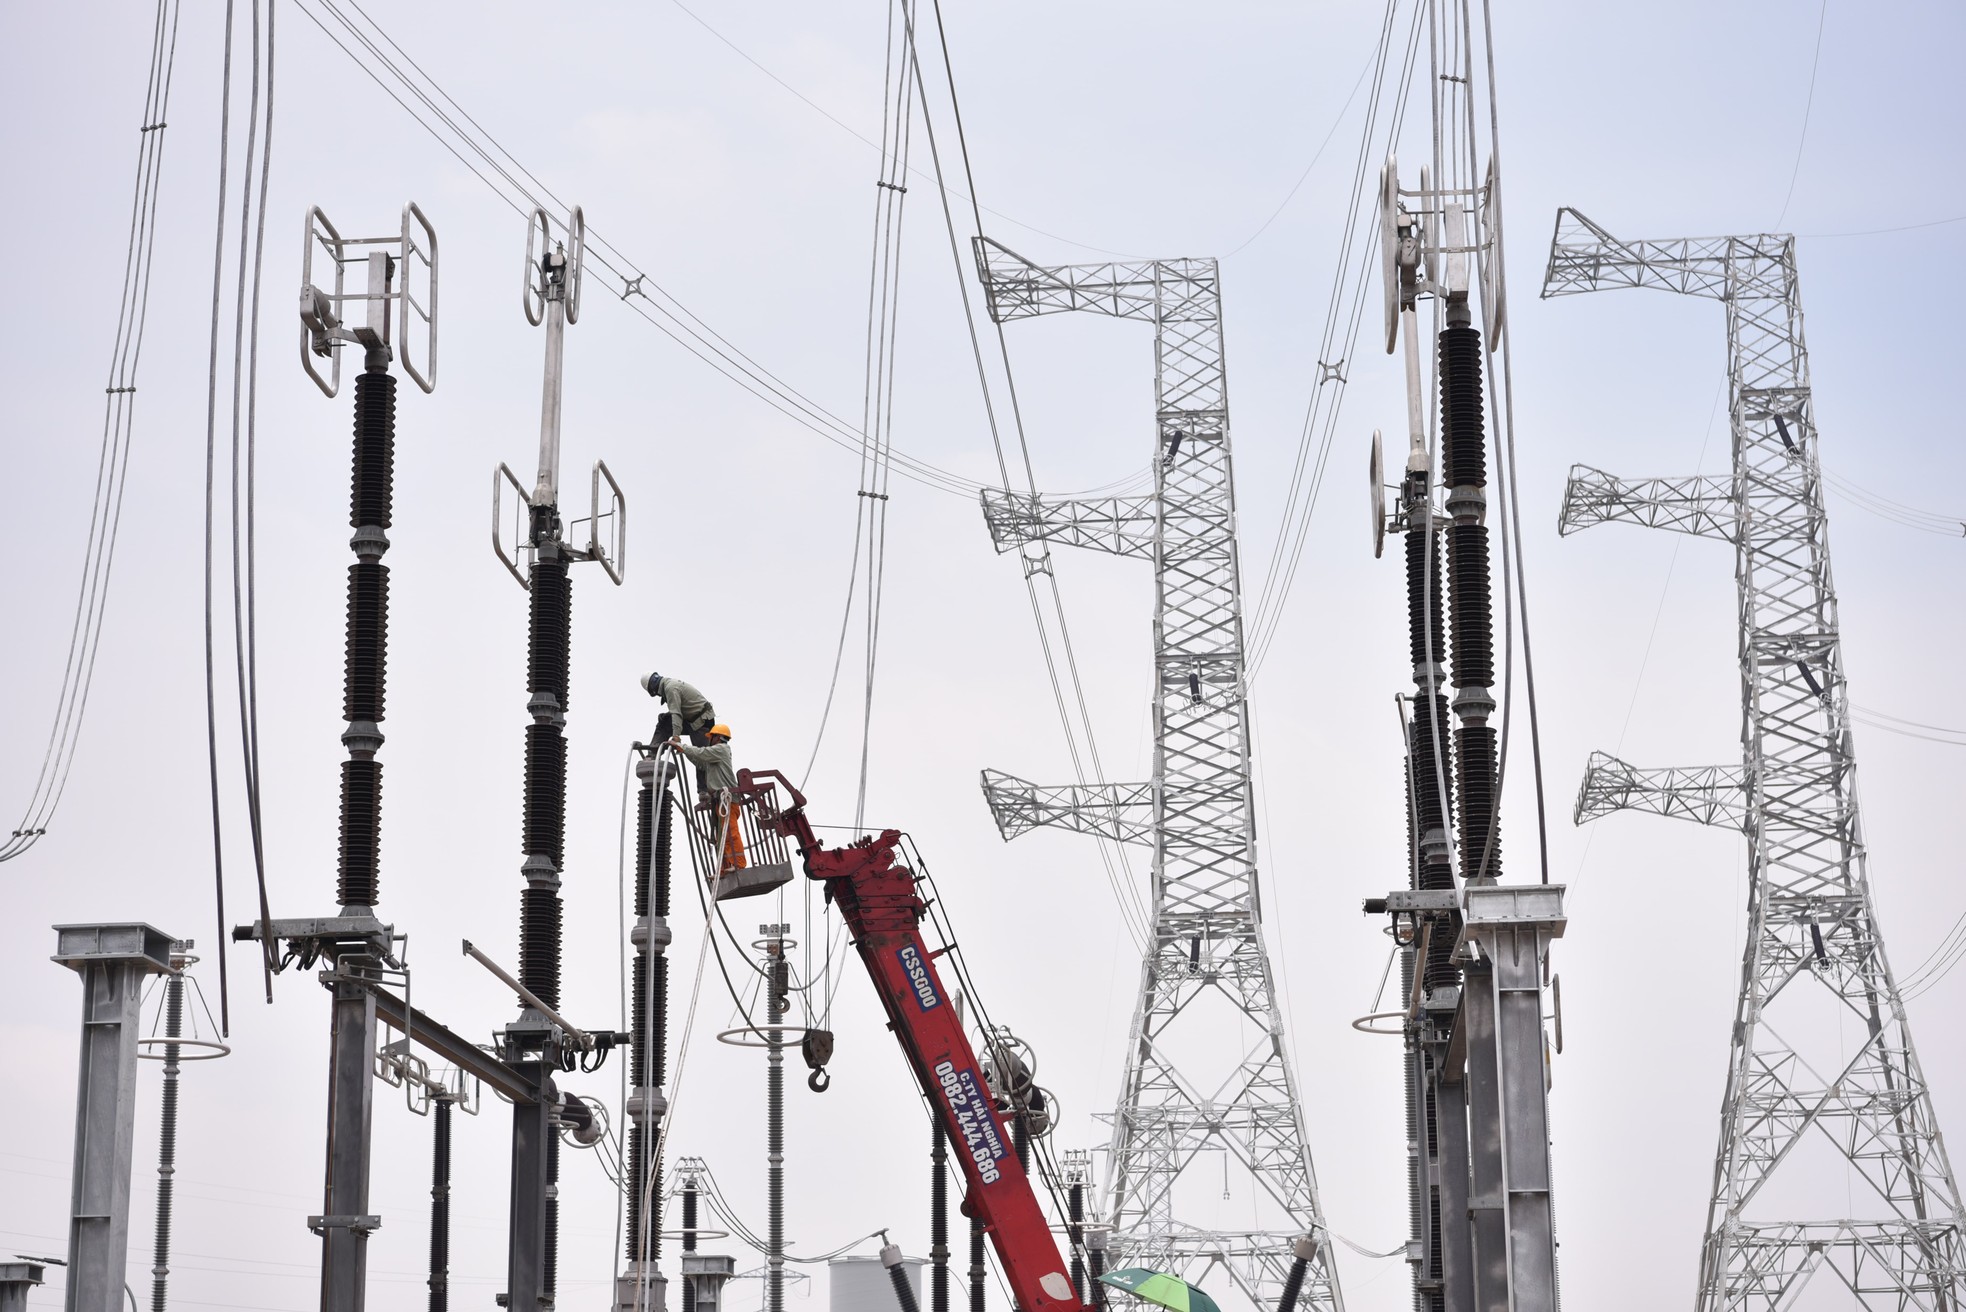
715	779
686	711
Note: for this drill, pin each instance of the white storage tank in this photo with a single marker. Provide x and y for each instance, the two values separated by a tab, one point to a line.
862	1284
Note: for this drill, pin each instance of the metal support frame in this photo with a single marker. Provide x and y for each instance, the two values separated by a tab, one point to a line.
1816	1088
1504	948
704	1275
1473	952
776	971
535	1043
1206	971
16	1279
113	961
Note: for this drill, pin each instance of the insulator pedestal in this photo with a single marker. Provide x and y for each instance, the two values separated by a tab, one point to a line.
160	1266
533	1257
648	1018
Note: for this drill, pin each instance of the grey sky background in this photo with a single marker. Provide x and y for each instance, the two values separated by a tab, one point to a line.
1149	129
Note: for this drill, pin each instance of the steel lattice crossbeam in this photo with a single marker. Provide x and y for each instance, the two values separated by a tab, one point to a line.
1709	795
1123	813
1206	972
1814	957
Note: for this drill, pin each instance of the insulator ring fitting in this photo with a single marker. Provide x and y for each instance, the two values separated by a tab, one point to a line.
1467	504
362	739
369	542
651	932
647	1101
539	872
544	706
1432	674
1474	704
645	769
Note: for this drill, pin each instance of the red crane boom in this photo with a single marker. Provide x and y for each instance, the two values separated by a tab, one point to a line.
876	896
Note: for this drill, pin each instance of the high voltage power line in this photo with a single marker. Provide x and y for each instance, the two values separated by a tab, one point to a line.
113	458
406	82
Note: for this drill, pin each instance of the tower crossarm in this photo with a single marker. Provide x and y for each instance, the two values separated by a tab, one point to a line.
1708	795
1586	258
1123	526
1123	813
1700	505
1016	288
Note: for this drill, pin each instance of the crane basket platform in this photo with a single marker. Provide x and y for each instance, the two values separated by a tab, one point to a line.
746	863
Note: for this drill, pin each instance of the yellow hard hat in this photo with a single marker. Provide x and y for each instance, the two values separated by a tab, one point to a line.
720	730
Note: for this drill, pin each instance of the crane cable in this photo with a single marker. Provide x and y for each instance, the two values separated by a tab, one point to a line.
112	460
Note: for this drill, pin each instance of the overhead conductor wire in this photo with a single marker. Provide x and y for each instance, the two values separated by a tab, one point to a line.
1512	508
112	461
474	147
245	626
248	700
877	398
211	458
1351	283
486	159
1132	912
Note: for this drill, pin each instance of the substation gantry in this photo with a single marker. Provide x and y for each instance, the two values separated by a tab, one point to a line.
1206	971
1823	1084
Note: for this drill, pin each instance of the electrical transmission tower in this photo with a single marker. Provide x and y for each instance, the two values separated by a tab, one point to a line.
1188	1091
1824	1091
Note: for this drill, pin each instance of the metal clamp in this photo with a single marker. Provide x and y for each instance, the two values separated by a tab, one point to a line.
361	1225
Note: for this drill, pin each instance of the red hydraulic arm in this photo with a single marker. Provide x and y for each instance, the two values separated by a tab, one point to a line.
878	899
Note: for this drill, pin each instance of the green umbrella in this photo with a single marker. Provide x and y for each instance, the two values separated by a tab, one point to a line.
1170	1292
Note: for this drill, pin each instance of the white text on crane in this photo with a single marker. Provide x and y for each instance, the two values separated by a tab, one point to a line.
978	1128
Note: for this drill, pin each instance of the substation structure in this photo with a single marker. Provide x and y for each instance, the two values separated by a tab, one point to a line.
396	296
1473	952
1823	1084
1206	970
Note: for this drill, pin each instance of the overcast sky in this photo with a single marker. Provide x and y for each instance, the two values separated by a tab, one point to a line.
1148	129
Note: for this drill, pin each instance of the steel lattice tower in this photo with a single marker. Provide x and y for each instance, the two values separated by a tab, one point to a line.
1206	971
1800	1081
